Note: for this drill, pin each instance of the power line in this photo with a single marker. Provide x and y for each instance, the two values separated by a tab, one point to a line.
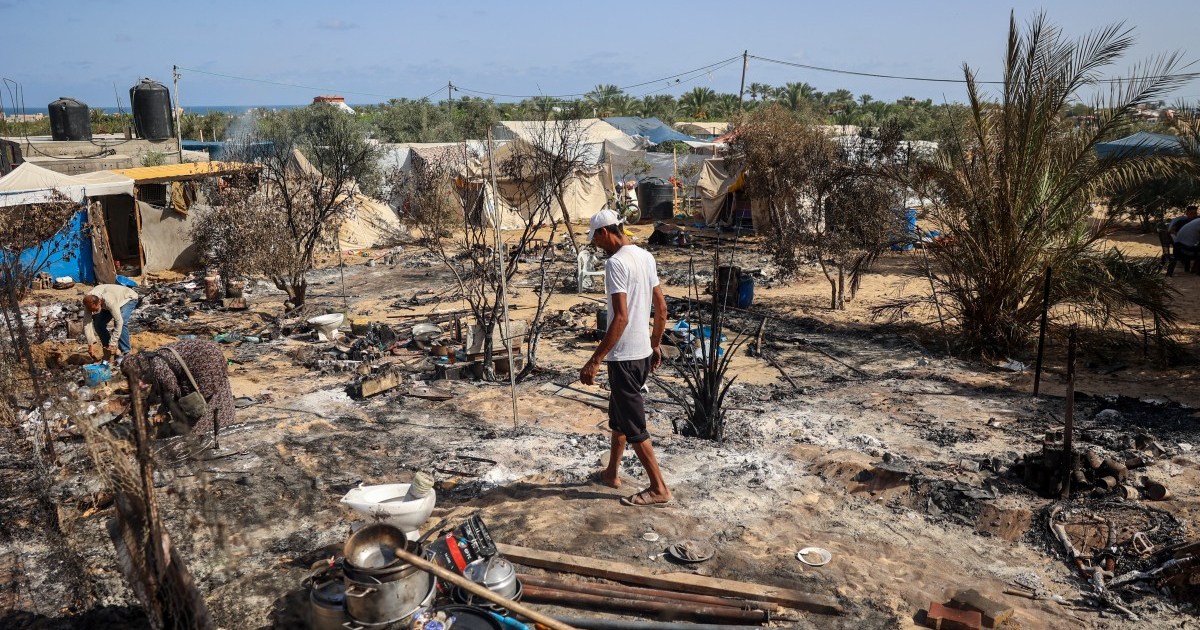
701	69
1189	76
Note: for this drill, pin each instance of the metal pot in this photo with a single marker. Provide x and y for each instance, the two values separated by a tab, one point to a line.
370	551
375	603
326	600
495	573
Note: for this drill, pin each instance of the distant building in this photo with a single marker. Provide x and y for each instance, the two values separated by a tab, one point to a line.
335	100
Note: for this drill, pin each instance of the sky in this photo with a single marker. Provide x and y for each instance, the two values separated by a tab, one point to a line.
370	51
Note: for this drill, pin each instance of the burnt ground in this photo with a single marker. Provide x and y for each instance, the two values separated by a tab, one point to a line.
889	454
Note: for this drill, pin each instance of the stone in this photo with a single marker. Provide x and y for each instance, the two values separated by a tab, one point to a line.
994	613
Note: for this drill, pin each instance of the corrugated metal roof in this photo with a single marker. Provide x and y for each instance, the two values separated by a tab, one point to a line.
187	170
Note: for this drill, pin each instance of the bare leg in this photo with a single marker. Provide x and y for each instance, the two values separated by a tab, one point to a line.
611	475
658	491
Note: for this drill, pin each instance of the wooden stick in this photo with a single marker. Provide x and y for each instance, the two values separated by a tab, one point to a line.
625	605
684	582
480	591
635	592
1037	370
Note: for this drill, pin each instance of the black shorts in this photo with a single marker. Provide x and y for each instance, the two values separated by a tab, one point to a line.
626	408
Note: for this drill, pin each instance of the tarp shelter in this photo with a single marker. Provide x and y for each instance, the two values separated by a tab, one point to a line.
1142	143
72	252
593	134
585	194
653	129
152	230
723	200
704	130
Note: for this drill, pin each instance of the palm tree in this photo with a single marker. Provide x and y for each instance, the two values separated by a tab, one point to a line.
602	97
760	90
1014	195
865	99
795	96
839	100
726	105
698	102
660	106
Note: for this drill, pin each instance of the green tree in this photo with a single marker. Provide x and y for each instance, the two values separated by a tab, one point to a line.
698	102
1014	196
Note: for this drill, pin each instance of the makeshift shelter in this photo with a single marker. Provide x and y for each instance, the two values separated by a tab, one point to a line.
151	230
73	251
704	130
1142	143
594	133
652	129
585	193
723	198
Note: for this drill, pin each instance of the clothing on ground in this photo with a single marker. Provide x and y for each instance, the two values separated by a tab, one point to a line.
631	271
207	364
115	298
626	406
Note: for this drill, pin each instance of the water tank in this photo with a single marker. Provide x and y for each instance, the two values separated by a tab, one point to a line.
655	199
152	118
69	120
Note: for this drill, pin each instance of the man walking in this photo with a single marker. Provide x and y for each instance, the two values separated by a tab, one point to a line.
631	351
108	303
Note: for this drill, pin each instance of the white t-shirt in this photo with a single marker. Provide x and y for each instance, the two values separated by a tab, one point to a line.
631	271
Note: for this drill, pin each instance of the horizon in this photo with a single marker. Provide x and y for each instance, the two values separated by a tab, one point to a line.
350	50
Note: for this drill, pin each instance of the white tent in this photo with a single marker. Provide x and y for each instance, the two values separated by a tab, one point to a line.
102	183
30	183
594	134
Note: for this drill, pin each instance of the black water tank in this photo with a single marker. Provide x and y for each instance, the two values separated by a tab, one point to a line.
70	120
655	199
152	118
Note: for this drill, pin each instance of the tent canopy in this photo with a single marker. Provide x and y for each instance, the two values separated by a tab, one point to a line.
30	183
653	129
547	134
1138	144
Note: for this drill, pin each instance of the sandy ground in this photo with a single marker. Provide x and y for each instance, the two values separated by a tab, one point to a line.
801	466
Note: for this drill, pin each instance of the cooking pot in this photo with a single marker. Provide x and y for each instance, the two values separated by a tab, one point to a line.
372	603
326	600
495	573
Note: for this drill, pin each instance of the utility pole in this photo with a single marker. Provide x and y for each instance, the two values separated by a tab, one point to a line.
742	90
449	97
179	114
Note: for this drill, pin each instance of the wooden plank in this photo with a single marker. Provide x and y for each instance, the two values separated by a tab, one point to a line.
373	386
102	260
683	582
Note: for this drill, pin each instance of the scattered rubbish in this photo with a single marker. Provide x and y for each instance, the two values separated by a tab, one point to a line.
942	617
691	551
1011	365
650	537
994	613
814	556
327	325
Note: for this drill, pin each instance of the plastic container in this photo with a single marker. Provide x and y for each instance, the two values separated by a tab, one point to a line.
96	374
745	291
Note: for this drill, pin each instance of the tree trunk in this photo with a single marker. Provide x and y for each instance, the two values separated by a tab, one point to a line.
566	218
841	289
833	285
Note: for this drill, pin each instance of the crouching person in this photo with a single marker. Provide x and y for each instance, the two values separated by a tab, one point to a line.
108	304
191	380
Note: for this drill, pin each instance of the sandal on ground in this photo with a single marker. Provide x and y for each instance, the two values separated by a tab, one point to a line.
641	499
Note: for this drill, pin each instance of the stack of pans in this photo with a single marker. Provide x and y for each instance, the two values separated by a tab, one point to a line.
380	589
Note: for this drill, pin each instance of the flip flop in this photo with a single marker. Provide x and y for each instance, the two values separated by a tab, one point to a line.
597	480
632	501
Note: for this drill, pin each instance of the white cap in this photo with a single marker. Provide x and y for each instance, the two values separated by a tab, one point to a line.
603	219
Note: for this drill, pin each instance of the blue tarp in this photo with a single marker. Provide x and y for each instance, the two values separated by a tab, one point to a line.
653	129
75	262
1140	143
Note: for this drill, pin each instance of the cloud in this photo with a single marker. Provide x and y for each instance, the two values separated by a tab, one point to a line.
336	24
